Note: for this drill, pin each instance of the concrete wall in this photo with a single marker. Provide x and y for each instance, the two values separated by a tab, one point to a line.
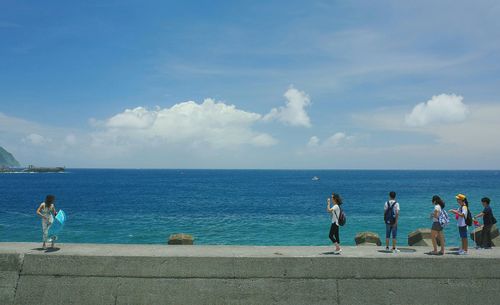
199	276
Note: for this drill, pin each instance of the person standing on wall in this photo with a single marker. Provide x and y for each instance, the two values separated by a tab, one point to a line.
439	220
488	221
463	220
335	211
47	211
391	217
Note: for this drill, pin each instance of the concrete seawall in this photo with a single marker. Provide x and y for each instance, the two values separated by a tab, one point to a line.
143	274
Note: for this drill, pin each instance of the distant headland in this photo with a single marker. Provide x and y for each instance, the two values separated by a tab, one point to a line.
9	164
7	159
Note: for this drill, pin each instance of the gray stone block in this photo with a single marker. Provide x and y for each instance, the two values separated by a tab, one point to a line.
367	239
10	261
421	237
180	239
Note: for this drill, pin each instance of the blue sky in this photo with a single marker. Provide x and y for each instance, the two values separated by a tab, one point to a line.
107	84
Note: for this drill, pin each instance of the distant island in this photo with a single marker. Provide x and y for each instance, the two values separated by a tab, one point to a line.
7	159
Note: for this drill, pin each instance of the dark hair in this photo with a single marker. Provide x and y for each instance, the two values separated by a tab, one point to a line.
486	200
466	202
437	200
49	200
392	195
337	198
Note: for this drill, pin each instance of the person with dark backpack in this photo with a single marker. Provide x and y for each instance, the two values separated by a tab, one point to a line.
338	219
391	217
488	221
464	219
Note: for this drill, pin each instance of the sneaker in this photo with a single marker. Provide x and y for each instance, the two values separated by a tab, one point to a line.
395	250
386	248
337	251
462	252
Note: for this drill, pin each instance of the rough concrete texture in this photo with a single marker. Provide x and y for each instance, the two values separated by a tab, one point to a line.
155	274
420	291
111	290
10	265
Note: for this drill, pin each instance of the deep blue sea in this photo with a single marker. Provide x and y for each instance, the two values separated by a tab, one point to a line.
231	207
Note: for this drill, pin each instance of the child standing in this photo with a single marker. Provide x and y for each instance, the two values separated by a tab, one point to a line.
488	221
47	211
461	213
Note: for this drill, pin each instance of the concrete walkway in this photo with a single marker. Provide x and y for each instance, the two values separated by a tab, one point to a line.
233	251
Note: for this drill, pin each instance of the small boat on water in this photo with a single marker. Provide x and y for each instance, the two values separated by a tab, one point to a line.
315	178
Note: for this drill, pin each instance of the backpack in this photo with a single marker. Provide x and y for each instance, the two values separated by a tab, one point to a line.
492	217
443	218
389	215
468	218
342	218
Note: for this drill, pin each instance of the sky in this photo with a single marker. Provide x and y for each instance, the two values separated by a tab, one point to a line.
251	84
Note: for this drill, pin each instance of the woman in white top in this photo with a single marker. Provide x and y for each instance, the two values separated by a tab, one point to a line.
437	229
334	228
47	210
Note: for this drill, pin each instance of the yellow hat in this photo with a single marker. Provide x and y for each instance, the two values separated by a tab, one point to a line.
461	197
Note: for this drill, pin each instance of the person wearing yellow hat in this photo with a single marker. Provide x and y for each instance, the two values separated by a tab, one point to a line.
461	213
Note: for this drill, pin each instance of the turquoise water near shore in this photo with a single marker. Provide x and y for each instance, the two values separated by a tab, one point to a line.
231	207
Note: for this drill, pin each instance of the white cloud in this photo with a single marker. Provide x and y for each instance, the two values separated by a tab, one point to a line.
334	141
337	139
133	118
36	139
440	109
213	124
294	112
313	142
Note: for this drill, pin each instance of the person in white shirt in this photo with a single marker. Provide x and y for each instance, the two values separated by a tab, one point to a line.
437	229
391	217
462	226
334	228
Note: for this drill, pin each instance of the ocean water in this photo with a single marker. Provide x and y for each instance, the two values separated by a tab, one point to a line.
231	207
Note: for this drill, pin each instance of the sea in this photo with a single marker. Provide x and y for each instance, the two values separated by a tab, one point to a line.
231	207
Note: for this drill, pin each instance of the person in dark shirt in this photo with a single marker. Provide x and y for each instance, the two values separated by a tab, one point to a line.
488	222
